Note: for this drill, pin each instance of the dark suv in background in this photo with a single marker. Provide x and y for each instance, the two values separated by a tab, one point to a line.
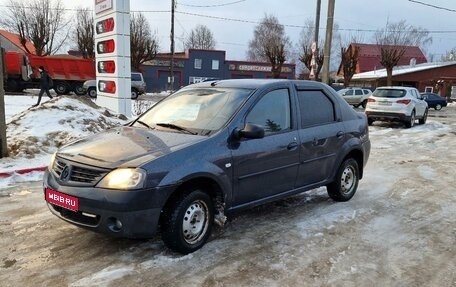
206	151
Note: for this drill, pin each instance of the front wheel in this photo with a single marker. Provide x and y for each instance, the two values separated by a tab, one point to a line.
364	104
438	107
61	88
134	94
187	222
92	92
345	184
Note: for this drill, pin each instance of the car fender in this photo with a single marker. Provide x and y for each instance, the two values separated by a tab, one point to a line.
197	170
350	146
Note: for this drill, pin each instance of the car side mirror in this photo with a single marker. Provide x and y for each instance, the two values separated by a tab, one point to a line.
250	131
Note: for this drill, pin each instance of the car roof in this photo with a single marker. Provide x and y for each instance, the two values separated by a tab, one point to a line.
396	88
254	83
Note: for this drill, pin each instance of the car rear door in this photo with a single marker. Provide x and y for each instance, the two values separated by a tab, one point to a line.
321	134
268	166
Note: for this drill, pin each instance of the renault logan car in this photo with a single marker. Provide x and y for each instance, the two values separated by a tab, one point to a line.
205	152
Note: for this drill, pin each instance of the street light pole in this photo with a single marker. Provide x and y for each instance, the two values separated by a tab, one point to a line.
329	30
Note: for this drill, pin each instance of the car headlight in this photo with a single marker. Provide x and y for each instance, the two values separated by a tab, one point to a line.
124	178
51	163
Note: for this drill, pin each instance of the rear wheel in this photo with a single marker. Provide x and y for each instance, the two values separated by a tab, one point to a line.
422	121
345	184
78	89
438	107
364	103
370	121
411	122
187	222
61	88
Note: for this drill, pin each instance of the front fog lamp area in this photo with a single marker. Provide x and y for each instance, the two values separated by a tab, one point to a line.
124	178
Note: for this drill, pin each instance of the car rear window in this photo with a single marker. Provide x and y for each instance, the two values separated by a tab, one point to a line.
136	77
389	93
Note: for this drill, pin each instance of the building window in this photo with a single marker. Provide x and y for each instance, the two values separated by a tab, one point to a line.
215	64
198	64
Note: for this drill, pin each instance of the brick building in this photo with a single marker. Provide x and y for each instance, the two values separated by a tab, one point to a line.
195	66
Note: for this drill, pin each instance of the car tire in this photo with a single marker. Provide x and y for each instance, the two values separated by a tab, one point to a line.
411	121
364	104
134	94
92	92
187	222
346	182
422	121
370	121
438	107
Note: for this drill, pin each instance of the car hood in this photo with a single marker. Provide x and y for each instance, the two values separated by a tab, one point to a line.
120	146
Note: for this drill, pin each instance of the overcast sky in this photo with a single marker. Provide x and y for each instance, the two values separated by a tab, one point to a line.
233	36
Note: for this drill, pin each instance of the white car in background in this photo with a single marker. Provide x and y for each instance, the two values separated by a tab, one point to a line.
355	96
403	104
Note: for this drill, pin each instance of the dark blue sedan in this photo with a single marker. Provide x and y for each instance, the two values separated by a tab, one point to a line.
434	101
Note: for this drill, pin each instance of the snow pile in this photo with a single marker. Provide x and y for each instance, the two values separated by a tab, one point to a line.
57	122
35	133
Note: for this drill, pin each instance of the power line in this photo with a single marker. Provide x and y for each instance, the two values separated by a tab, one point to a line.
433	6
210	6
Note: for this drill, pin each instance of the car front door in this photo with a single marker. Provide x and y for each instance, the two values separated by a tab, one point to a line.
420	104
268	166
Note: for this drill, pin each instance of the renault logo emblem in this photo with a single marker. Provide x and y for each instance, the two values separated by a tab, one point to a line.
66	172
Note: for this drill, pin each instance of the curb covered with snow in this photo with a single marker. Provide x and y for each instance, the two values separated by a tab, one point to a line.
5	174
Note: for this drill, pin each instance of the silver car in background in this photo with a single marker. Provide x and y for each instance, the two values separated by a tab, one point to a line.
355	96
138	86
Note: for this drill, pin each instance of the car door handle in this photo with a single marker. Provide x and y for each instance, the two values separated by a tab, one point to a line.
315	142
292	146
340	134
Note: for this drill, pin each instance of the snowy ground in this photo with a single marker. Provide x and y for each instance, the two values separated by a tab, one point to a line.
398	230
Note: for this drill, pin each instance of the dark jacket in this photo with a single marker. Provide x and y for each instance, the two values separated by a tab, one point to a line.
44	80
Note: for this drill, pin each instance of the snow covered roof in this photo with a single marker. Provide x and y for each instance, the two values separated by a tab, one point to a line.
400	70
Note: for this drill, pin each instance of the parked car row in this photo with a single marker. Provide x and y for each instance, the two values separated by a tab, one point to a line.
401	104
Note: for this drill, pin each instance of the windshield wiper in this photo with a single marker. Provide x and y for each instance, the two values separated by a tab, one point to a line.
176	127
144	124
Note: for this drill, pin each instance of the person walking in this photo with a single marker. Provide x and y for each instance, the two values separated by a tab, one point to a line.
44	84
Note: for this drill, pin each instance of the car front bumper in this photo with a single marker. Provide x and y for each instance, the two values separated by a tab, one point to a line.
129	214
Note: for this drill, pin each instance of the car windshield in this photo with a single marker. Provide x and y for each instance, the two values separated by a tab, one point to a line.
200	111
389	93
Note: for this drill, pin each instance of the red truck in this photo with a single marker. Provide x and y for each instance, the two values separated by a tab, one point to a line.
67	72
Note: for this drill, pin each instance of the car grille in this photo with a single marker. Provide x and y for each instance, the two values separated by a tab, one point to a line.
77	216
77	174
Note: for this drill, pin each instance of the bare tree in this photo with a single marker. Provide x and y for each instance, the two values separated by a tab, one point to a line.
394	40
200	38
84	34
143	43
449	56
270	44
41	22
349	62
306	39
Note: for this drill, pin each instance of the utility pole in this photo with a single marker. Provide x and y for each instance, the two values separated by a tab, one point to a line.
315	47
329	30
171	65
3	145
317	22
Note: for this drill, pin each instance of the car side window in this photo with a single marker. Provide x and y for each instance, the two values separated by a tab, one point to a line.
272	112
349	93
316	108
366	92
358	92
